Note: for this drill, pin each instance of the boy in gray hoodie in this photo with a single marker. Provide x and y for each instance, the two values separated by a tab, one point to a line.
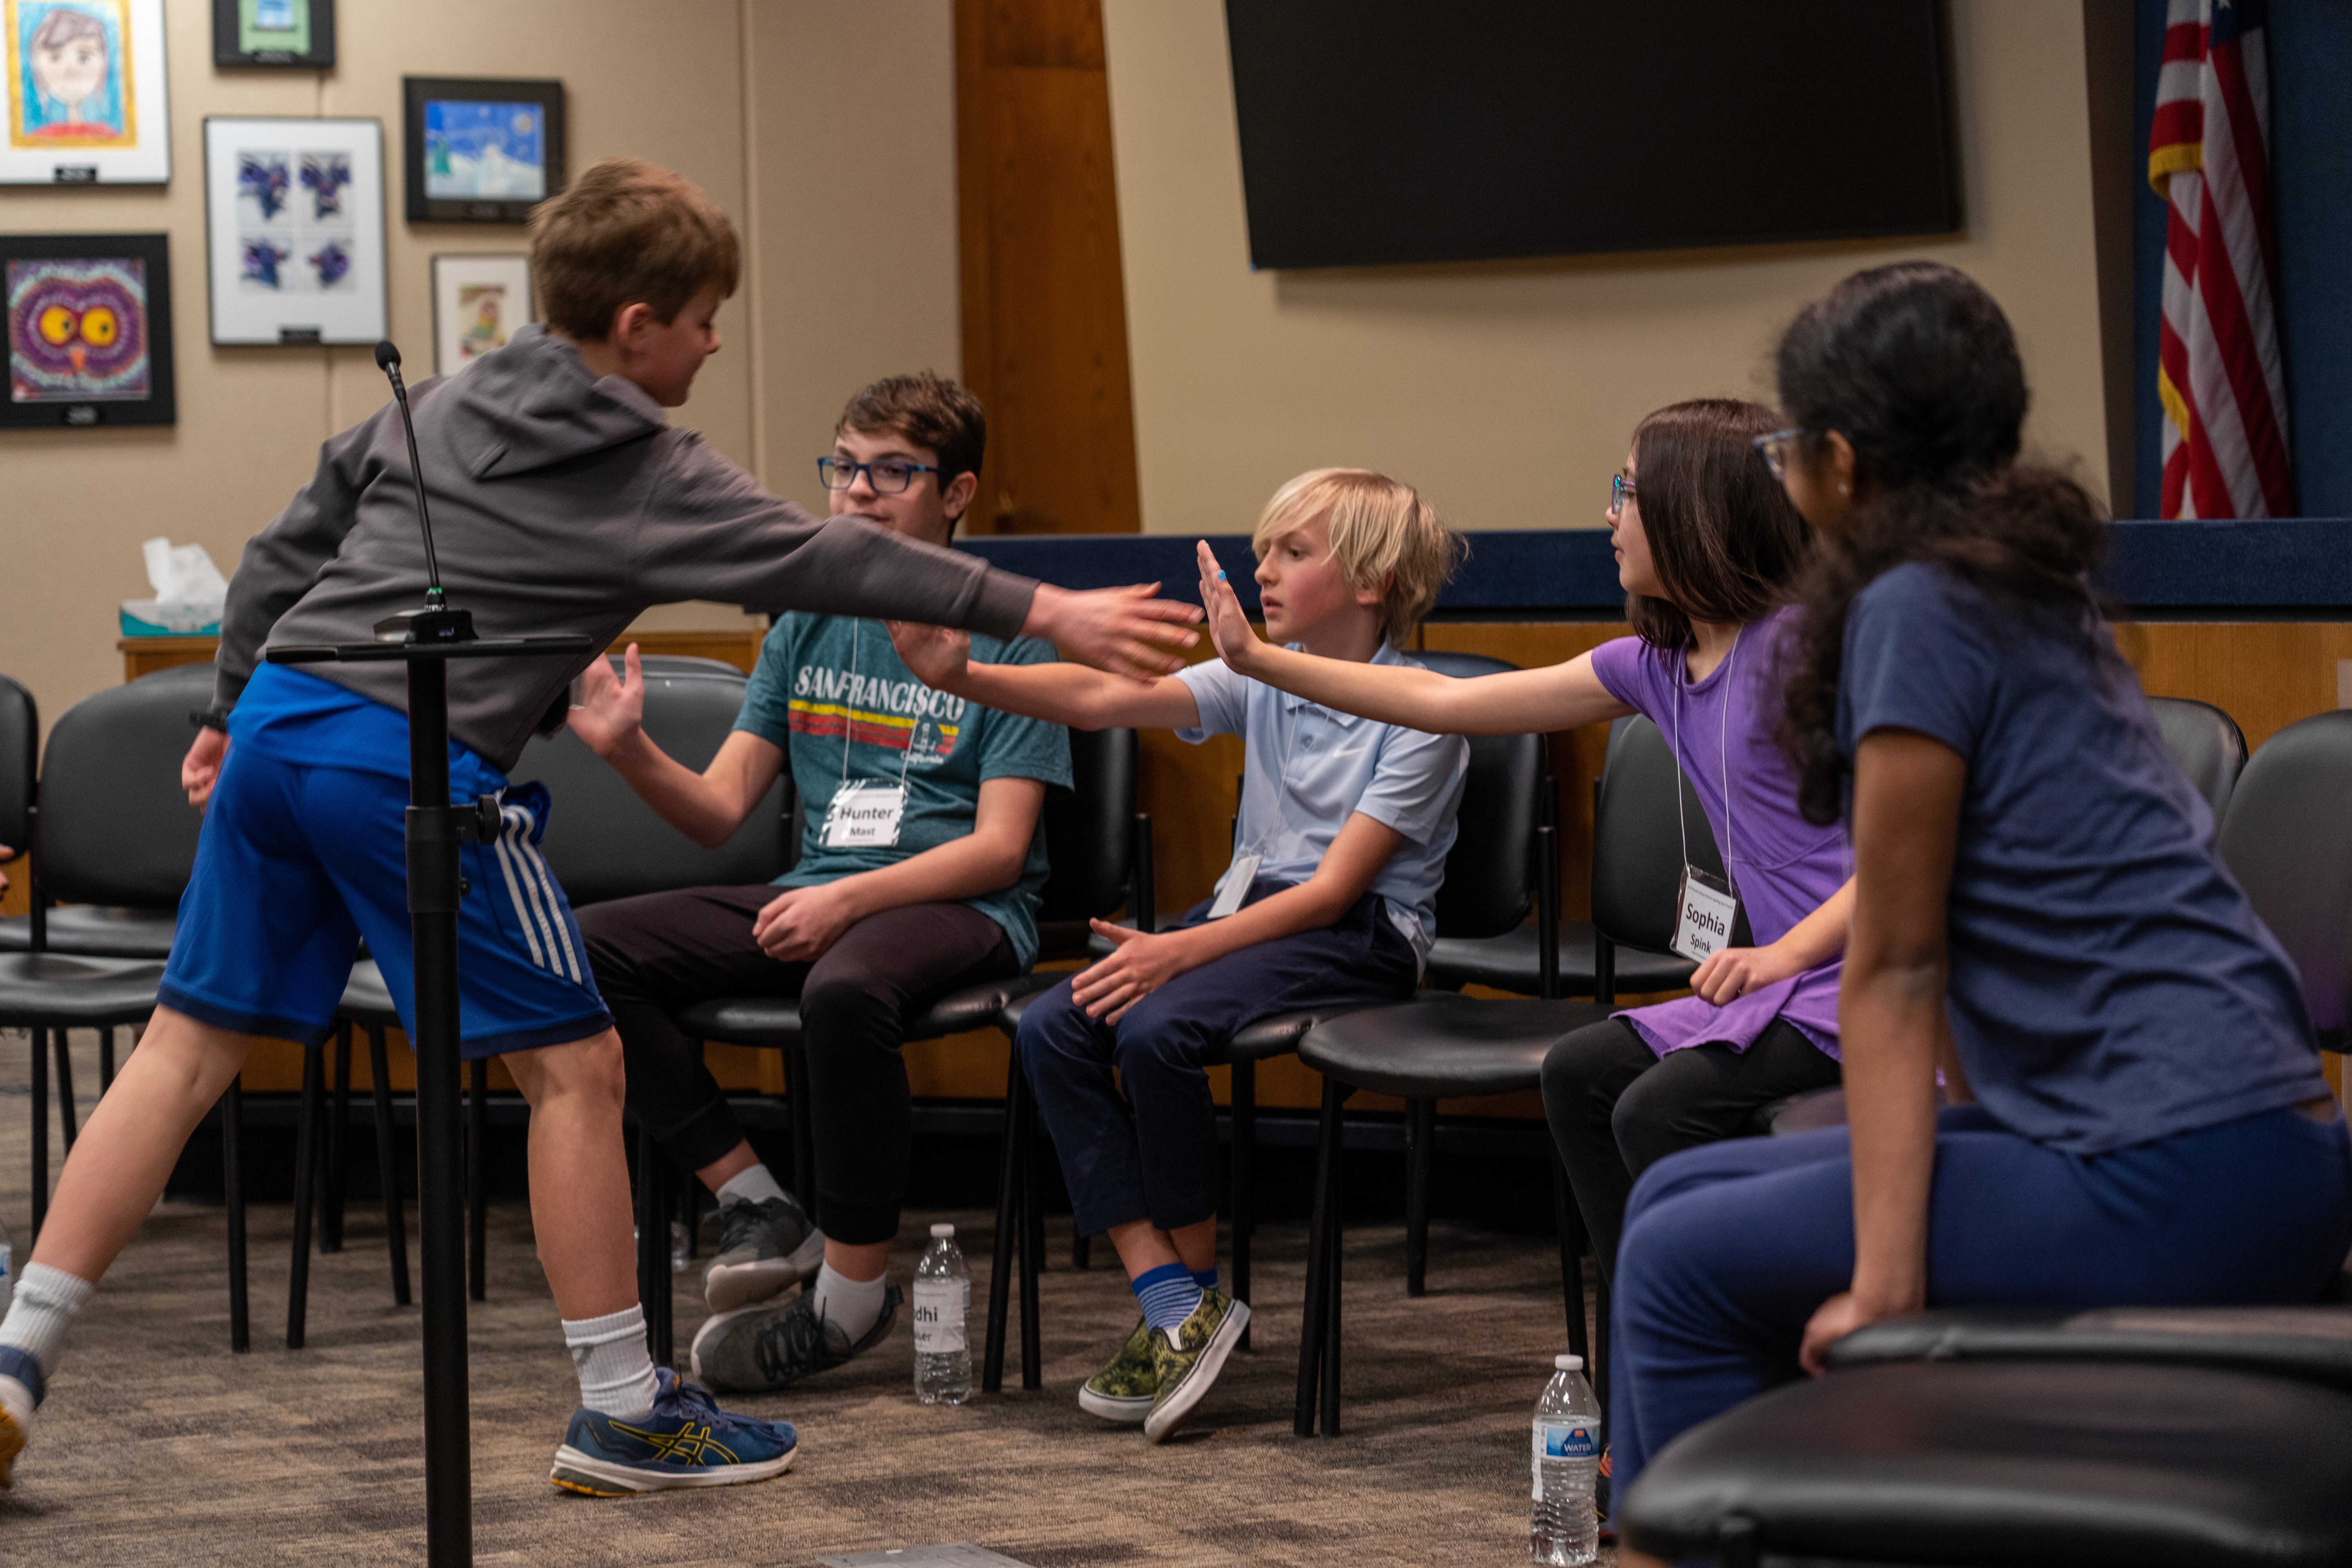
562	501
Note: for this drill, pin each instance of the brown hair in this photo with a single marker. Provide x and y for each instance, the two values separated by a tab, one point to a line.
63	26
928	410
1384	535
1917	367
627	231
1723	535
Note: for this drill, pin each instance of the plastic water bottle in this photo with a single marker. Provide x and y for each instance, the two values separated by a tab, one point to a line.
942	1300
1566	1457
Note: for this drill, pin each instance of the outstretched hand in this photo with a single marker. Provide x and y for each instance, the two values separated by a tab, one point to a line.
937	655
1125	631
1229	625
610	708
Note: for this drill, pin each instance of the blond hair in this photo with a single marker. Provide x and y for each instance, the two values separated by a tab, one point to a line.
1384	535
627	231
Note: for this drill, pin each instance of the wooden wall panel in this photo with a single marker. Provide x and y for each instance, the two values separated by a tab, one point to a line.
1044	309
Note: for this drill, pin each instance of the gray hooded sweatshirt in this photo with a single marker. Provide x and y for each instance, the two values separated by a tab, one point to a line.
561	502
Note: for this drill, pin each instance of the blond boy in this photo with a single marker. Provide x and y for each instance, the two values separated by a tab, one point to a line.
1329	902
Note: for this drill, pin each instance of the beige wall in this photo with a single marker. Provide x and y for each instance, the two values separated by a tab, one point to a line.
1506	392
74	504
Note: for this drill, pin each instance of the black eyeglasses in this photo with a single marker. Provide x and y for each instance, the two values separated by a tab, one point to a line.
1620	487
888	476
1776	446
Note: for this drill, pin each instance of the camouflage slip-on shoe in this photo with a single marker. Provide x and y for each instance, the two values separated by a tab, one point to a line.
1124	1391
1190	1359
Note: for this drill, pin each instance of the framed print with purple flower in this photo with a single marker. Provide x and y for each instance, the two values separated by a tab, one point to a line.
295	237
89	329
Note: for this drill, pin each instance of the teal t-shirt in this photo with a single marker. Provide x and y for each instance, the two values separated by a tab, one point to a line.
833	693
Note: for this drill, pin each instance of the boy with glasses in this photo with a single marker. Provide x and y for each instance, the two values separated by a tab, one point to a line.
920	867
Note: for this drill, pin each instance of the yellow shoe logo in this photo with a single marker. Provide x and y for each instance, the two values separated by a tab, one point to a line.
689	1444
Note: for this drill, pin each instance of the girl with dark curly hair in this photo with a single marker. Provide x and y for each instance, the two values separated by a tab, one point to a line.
2038	910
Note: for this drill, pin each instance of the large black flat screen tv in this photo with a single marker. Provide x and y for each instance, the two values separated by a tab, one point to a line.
1405	131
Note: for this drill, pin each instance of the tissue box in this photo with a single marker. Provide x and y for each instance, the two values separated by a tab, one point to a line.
170	618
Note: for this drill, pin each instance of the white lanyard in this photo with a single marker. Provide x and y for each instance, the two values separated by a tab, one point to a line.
866	816
1705	913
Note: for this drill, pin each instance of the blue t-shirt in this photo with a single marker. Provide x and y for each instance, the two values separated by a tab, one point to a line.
1305	769
832	692
2109	983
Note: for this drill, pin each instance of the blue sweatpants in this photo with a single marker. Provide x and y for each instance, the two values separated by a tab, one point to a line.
1729	1248
1154	1154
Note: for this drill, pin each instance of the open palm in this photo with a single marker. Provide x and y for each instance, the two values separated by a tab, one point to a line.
611	708
1229	624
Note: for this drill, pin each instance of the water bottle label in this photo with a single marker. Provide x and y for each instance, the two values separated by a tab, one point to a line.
1562	1440
939	1316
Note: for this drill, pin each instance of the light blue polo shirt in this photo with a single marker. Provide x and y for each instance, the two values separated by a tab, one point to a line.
1306	769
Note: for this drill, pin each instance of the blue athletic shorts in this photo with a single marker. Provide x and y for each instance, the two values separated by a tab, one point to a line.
298	861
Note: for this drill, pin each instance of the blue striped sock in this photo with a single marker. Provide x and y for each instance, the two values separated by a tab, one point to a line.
1167	1295
1206	1279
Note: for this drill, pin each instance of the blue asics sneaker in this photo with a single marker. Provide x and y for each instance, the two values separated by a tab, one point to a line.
688	1441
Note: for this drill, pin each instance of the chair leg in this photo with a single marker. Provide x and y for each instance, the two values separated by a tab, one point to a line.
796	1085
60	1043
1313	1314
1333	1294
40	1134
231	1115
331	1174
477	1245
387	1163
654	1285
1420	1127
306	1175
1244	1179
1082	1247
1569	1222
1000	1268
105	1061
1033	1246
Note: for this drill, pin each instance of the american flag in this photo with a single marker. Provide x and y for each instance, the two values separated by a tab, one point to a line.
2218	373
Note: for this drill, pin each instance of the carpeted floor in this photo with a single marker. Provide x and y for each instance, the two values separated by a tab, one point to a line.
158	1446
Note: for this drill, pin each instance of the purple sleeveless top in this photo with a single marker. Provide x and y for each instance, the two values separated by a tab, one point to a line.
1782	866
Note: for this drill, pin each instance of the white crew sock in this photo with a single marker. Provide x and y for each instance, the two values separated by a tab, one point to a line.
616	1371
47	1302
853	1305
754	1185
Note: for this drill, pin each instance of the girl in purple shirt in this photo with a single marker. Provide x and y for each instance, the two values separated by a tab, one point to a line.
1706	542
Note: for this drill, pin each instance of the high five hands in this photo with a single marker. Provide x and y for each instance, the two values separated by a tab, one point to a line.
1229	625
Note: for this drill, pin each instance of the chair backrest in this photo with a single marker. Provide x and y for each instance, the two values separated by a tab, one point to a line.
116	827
1637	841
1490	871
20	762
1090	831
2207	743
2288	840
602	842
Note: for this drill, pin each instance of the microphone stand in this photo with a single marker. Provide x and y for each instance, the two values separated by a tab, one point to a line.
425	640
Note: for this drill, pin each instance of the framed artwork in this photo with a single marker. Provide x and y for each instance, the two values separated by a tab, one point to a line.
89	329
299	33
479	302
480	150
87	104
294	230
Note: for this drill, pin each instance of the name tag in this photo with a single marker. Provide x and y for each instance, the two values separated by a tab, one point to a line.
1708	909
864	816
1237	885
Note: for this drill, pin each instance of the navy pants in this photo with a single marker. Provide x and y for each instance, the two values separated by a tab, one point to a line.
1154	1154
1729	1248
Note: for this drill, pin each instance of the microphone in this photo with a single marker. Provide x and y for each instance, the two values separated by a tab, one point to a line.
436	622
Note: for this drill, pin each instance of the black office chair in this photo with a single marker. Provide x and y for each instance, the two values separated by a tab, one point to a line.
108	825
2210	748
113	930
2141	1437
1446	1047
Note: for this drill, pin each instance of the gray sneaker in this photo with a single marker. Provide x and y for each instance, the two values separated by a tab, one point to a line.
760	1348
764	1249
